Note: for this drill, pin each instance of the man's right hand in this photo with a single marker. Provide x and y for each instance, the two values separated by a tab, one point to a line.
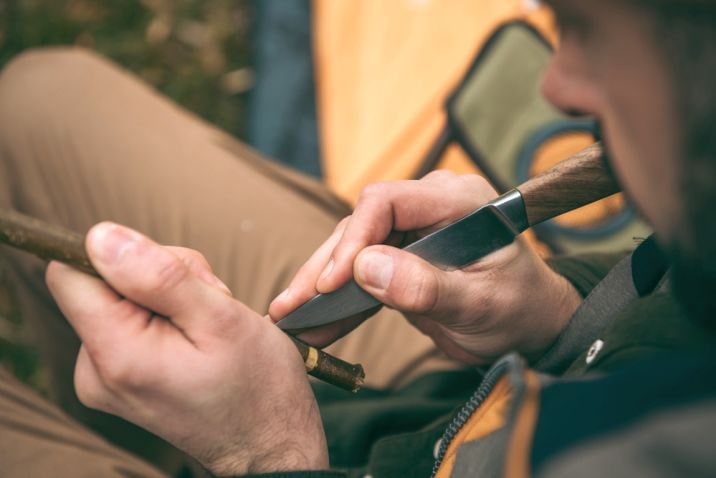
509	300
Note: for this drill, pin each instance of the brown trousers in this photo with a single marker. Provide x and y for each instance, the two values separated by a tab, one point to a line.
83	141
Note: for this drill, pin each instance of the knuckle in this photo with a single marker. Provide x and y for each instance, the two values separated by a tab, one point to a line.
476	179
232	322
304	277
224	316
127	310
373	190
167	274
200	260
339	230
120	375
475	182
90	397
426	293
343	223
193	259
195	256
420	290
439	175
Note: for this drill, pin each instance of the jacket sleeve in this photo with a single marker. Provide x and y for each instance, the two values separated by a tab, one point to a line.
584	272
587	270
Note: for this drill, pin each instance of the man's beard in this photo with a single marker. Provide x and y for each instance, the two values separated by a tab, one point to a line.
683	35
693	251
694	285
692	255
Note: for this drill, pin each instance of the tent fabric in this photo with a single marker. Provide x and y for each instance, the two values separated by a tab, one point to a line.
382	78
499	106
384	71
500	118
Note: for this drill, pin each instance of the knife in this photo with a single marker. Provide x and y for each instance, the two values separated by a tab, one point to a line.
577	181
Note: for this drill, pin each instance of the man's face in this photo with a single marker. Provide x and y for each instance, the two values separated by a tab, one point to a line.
609	67
658	120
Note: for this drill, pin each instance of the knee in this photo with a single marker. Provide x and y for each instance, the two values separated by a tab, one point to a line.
41	82
41	68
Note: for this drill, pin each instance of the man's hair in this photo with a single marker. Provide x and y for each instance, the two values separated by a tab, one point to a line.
686	33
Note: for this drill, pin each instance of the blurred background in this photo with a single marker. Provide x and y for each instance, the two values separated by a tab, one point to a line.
382	72
197	52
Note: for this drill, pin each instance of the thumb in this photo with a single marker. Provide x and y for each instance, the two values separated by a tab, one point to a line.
401	280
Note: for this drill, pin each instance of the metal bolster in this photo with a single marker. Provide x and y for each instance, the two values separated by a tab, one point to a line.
512	207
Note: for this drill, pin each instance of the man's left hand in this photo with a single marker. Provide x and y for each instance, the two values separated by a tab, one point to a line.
164	345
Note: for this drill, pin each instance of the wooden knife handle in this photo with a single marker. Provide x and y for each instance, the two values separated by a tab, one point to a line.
575	182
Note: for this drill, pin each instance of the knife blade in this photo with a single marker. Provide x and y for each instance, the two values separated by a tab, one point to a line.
575	182
485	230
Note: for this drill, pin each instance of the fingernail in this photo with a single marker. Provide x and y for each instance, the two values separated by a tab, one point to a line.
327	271
375	269
110	242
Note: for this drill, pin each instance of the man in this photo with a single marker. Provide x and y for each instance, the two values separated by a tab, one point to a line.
170	350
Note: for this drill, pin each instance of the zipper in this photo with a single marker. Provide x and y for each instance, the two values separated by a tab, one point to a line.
464	414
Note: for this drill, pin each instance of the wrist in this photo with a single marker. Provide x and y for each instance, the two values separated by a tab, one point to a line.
557	308
293	445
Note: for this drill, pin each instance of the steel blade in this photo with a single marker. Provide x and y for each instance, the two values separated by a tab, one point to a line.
322	309
483	231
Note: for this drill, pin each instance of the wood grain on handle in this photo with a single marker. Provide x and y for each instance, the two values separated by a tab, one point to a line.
580	180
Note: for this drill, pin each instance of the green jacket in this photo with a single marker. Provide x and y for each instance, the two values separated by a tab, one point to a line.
615	383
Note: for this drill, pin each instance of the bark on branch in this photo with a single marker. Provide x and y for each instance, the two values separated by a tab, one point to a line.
51	242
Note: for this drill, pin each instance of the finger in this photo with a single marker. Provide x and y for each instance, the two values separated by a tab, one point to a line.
102	319
197	264
303	285
90	389
408	283
435	201
461	194
325	335
149	274
371	223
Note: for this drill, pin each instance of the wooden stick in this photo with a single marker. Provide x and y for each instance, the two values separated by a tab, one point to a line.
51	242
